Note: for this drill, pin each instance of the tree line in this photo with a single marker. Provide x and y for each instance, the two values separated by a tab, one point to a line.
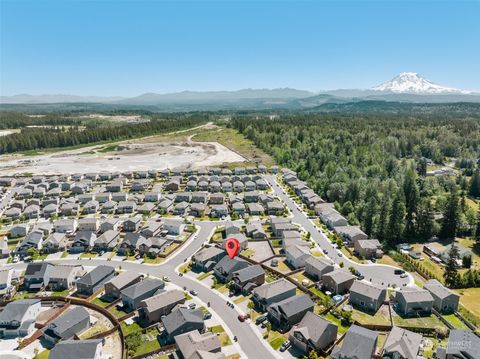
374	168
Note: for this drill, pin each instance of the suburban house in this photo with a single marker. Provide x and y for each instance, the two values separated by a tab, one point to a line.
368	248
194	345
296	255
160	304
126	207
110	224
273	292
94	280
183	320
151	229
64	276
366	296
350	233
115	285
413	302
358	343
316	267
255	231
131	244
6	288
132	224
134	294
444	299
207	258
65	225
402	344
225	268
181	208
107	241
83	242
37	276
174	227
33	241
240	237
462	344
19	230
313	333
67	325
329	215
75	349
55	242
232	229
88	224
248	278
339	281
18	318
290	311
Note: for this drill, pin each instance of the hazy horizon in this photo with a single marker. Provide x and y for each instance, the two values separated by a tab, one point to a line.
126	49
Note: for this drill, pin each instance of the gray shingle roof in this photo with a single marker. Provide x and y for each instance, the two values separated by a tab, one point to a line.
16	310
142	287
249	272
64	323
96	275
358	343
193	341
463	343
437	288
405	342
366	289
294	305
272	289
313	326
75	349
179	316
419	295
163	299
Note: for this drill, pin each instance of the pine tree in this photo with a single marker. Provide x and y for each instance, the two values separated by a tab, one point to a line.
475	184
396	216
450	216
425	219
369	217
382	220
451	269
477	229
410	190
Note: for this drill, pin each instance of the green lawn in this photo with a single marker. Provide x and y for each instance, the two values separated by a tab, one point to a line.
453	320
117	313
275	339
129	329
61	293
100	302
431	322
88	255
43	355
216	329
147	347
224	339
379	318
204	275
341	328
96	329
156	260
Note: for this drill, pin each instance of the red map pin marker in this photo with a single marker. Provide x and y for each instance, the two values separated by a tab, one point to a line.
232	246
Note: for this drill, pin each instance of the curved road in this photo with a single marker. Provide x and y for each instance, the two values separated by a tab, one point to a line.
250	343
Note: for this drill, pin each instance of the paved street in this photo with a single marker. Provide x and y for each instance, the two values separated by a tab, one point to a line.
251	344
376	273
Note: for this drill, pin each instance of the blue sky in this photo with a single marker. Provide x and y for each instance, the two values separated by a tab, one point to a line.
132	47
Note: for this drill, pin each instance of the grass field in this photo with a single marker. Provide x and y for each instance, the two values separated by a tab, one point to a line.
235	141
100	302
341	328
129	329
469	299
204	275
275	339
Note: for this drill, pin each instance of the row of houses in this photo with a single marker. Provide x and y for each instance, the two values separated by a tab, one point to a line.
363	246
91	234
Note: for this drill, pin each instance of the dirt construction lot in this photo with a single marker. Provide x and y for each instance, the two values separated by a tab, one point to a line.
133	156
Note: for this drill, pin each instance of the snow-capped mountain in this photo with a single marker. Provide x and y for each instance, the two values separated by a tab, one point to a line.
411	82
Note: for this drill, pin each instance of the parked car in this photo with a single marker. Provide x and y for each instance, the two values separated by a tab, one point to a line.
286	344
261	319
166	278
192	305
398	271
404	275
193	292
242	317
207	316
